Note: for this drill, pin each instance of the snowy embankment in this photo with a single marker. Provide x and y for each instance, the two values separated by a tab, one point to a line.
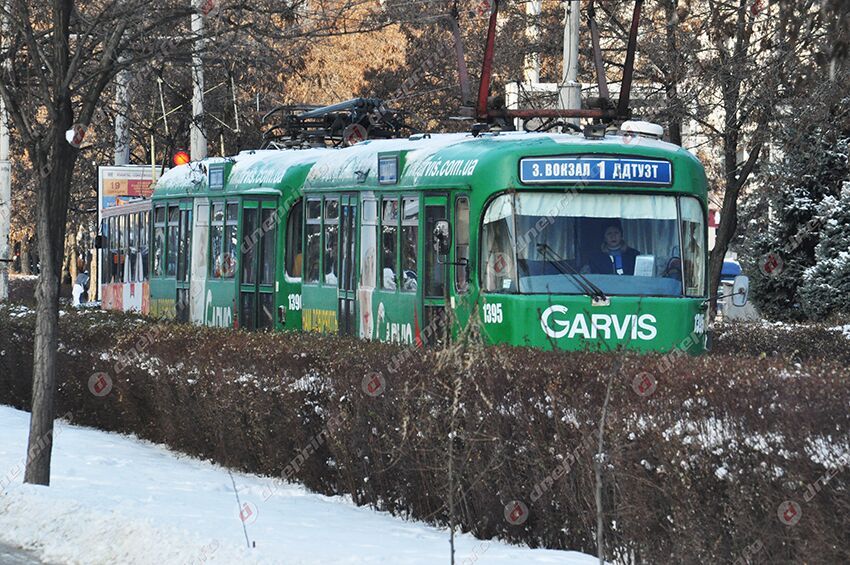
116	499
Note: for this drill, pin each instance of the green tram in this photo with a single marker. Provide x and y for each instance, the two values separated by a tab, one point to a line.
559	241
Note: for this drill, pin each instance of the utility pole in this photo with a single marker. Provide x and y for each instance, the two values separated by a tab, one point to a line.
122	122
569	91
198	136
532	33
5	180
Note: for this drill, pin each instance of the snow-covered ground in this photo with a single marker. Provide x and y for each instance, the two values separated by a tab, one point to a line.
14	556
116	499
843	329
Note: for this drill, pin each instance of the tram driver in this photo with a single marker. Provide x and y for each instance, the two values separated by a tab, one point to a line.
614	257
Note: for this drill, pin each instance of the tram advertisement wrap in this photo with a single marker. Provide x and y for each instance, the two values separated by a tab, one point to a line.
572	322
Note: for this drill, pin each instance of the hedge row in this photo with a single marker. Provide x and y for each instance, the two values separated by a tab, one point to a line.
700	453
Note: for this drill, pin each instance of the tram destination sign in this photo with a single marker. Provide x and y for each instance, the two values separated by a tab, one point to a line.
596	170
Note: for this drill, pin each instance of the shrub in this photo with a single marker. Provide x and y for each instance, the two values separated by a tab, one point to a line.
695	465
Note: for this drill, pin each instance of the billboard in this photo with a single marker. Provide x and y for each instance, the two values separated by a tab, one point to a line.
121	184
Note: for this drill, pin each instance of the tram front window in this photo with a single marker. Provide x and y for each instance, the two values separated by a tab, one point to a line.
625	244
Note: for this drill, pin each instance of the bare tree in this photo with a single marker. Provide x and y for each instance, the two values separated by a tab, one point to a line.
759	55
62	56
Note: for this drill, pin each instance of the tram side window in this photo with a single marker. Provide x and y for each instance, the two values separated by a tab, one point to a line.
105	257
144	234
113	250
228	251
122	248
313	241
331	235
462	244
250	241
389	243
133	255
294	254
106	254
127	266
173	241
216	239
497	247
116	260
409	243
369	244
693	241
223	224
268	221
158	240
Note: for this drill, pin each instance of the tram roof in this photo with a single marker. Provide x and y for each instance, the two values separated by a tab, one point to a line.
249	170
489	162
424	161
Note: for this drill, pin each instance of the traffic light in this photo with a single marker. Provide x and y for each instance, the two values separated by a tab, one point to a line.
180	158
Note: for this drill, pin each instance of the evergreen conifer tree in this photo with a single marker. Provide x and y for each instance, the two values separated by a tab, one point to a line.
783	241
825	291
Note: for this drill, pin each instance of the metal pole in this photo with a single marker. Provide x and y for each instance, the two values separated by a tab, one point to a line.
569	92
628	69
601	79
5	183
198	136
462	71
487	67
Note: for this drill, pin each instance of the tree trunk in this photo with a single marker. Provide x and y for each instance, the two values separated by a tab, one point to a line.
725	233
674	111
53	195
25	255
729	211
66	263
54	161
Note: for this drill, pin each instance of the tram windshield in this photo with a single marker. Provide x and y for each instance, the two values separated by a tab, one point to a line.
625	244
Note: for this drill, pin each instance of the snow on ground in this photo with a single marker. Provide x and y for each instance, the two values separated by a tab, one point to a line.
843	329
18	310
117	499
15	556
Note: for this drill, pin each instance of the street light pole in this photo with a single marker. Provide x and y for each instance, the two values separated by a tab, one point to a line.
532	33
569	95
198	136
5	181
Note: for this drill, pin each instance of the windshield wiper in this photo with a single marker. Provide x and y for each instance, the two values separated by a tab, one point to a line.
582	281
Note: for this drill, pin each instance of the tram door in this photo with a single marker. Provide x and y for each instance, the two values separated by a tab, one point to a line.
256	285
347	268
184	261
435	272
